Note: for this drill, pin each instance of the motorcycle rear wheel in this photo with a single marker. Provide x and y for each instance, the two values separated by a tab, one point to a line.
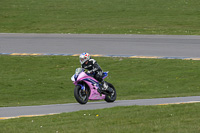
111	98
80	95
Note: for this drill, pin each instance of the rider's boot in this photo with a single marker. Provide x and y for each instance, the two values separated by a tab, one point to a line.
106	87
102	87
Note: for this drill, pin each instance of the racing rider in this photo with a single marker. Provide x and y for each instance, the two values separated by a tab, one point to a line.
91	65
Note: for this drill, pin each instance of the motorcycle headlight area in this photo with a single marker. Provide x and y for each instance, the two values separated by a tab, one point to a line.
72	78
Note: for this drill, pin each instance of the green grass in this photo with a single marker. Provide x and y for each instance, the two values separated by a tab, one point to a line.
103	16
38	80
134	119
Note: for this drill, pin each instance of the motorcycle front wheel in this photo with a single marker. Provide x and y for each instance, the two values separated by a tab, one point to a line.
80	95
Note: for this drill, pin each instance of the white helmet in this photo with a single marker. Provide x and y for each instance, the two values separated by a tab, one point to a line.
84	57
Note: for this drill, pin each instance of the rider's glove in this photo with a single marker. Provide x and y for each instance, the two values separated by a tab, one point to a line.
90	71
93	70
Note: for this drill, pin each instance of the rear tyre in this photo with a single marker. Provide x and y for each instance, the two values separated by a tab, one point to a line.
112	97
80	95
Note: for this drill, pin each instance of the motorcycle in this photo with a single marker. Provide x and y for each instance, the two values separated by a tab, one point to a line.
88	88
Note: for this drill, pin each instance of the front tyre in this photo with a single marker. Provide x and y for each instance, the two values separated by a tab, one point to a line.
111	97
80	95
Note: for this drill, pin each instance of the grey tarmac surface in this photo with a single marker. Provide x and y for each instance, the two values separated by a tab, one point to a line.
71	107
141	45
106	44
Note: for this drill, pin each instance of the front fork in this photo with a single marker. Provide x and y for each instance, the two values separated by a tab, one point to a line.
82	87
83	90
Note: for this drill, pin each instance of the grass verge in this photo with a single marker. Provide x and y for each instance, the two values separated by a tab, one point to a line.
134	119
101	17
39	80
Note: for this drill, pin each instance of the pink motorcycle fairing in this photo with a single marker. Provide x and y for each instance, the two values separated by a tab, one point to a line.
91	82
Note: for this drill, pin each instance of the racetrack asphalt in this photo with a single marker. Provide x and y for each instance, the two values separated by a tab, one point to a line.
29	111
104	44
121	45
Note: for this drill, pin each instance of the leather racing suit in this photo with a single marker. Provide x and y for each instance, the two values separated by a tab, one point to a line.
92	66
